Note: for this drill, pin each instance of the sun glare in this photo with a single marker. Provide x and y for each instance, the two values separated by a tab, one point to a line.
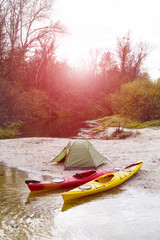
84	31
96	24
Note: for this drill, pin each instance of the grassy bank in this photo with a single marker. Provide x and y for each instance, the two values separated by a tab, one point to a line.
123	122
122	125
10	131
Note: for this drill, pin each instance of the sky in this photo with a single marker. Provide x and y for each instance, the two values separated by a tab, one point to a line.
96	24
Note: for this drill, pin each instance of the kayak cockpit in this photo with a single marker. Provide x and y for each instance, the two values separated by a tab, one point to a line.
85	174
105	179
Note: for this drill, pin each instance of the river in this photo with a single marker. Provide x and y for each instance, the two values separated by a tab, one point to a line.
123	213
59	128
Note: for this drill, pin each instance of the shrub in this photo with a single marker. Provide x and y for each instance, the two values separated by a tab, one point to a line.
139	100
33	105
17	104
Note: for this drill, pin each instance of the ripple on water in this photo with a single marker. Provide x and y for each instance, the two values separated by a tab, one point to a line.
122	213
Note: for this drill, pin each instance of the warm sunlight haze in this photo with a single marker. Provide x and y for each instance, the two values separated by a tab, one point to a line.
96	24
80	115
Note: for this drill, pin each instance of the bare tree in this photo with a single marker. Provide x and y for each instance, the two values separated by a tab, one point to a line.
123	51
107	63
27	24
3	14
94	62
46	56
130	60
138	58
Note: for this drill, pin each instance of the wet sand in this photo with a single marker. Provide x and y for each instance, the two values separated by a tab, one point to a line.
34	155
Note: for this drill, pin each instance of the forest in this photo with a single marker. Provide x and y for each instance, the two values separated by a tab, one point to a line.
34	85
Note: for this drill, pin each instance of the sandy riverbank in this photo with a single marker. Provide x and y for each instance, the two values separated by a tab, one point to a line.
33	155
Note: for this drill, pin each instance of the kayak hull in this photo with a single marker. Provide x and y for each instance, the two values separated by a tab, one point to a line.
103	183
67	182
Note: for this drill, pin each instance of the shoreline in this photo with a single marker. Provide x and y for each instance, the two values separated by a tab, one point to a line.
33	155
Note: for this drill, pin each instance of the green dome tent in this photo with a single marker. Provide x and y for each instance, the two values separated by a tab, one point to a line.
80	154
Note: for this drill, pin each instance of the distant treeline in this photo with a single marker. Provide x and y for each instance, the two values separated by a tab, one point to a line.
34	85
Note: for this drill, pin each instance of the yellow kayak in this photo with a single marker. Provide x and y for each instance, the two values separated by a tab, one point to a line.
103	183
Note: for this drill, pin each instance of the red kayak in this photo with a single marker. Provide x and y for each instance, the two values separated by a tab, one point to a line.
67	182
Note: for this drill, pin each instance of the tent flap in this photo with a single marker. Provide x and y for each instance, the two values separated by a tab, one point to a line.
60	156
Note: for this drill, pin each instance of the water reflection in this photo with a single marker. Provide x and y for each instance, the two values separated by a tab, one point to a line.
128	215
108	194
39	195
19	220
123	212
59	128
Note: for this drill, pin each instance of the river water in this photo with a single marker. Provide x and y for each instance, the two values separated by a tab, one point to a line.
122	213
58	128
